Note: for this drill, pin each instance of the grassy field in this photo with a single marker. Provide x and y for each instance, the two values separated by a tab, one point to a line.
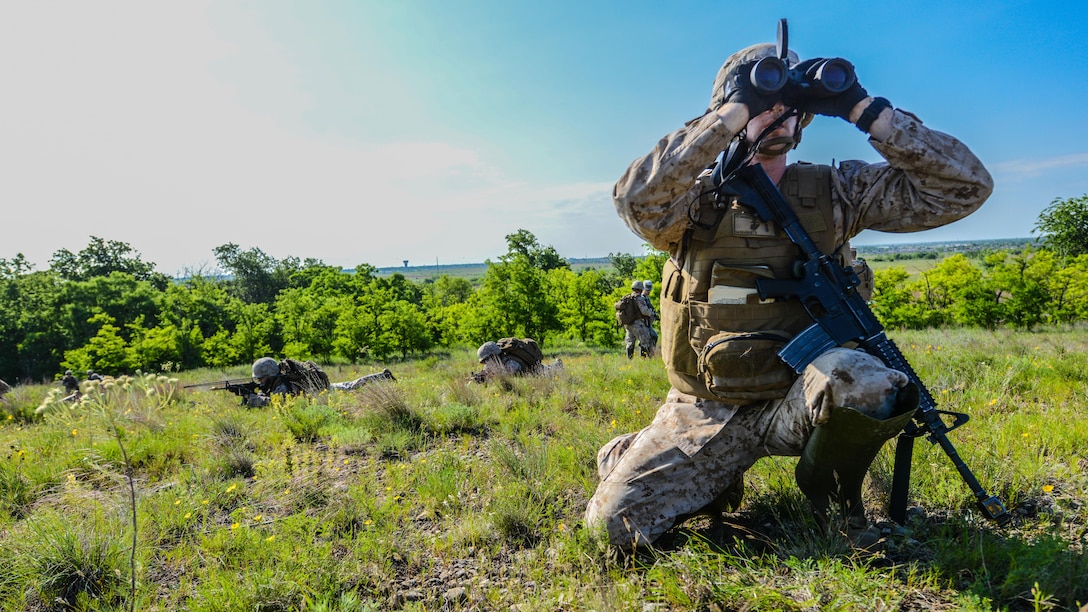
435	494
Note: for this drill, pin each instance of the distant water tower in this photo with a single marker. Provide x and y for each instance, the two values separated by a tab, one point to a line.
405	263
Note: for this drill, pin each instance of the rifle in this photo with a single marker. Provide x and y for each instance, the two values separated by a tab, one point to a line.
242	387
828	291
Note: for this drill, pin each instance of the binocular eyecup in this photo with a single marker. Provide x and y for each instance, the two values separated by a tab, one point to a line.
824	78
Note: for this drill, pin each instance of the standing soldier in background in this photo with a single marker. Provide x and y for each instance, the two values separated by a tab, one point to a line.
635	315
733	400
647	288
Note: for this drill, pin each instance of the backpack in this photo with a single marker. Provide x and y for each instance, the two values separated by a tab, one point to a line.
526	351
627	311
306	374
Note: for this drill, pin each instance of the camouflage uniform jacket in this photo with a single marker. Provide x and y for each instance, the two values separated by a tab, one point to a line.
277	386
929	179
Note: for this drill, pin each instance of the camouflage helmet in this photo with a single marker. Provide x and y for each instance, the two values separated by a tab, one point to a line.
723	83
265	367
67	372
637	285
487	350
647	285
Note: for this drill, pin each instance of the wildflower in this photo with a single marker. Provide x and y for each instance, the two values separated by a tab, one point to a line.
232	487
1048	488
75	432
188	514
177	502
204	502
257	517
235	525
270	538
562	527
1024	435
11	417
993	401
368	522
613	424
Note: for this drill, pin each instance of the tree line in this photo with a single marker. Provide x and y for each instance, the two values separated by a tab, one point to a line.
106	309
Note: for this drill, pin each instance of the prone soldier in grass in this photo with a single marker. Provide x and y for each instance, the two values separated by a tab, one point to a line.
290	377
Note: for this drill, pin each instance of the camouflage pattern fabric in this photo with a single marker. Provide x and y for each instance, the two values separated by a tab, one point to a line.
930	179
695	451
351	385
639	331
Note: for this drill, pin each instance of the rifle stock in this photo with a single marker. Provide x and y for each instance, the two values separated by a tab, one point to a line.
828	292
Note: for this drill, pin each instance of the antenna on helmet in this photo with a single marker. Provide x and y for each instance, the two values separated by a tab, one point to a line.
783	46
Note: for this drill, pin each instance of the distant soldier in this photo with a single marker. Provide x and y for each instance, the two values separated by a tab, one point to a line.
70	382
92	375
511	357
635	314
647	287
291	377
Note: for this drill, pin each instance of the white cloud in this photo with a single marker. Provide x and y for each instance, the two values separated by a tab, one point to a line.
1020	169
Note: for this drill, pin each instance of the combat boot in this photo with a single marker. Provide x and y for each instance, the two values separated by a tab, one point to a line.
837	456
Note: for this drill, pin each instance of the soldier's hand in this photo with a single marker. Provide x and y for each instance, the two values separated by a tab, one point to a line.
837	105
744	92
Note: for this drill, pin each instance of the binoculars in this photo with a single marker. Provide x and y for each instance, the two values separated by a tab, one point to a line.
824	78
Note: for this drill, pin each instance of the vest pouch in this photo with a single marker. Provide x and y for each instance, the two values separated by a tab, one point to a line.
742	367
675	325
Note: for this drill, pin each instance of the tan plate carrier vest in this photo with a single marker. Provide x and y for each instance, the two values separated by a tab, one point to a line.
718	339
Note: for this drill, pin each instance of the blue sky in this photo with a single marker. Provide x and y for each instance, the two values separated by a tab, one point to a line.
374	132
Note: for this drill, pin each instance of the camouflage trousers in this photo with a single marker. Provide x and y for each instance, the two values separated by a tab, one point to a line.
351	385
693	456
641	332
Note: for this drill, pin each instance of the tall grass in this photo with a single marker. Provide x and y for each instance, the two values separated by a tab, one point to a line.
435	493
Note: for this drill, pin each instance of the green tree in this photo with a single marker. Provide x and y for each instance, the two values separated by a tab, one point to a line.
151	350
118	295
102	258
1068	289
1020	284
583	310
104	352
31	334
623	263
524	243
1064	226
404	329
256	277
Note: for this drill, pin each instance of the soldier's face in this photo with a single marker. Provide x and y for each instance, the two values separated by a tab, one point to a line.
757	124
